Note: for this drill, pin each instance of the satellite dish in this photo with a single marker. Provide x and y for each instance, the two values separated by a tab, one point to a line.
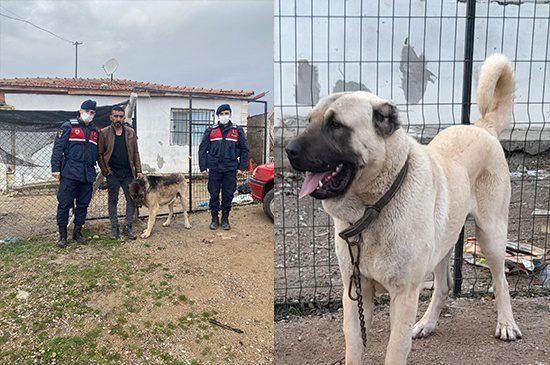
110	67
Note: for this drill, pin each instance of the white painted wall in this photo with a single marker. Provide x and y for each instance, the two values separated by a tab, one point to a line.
153	128
376	36
157	154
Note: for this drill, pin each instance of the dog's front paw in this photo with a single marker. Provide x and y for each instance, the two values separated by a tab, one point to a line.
188	226
165	224
145	234
508	331
422	329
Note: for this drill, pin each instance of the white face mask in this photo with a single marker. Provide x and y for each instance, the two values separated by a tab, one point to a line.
224	119
86	118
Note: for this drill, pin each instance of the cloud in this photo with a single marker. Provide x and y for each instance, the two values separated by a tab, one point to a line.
219	44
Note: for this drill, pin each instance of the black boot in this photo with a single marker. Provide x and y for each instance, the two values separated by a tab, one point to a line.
77	235
114	233
127	232
62	243
225	220
215	221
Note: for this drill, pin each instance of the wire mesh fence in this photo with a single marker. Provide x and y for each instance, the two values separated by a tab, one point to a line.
28	192
417	54
257	133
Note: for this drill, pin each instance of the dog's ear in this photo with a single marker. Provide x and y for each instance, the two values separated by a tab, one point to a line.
385	118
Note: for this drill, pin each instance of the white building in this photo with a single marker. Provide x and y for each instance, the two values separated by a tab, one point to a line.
162	115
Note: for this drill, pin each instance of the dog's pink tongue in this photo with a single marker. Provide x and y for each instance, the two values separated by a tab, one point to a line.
311	182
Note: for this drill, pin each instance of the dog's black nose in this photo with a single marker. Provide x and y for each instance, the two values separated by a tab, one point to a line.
292	149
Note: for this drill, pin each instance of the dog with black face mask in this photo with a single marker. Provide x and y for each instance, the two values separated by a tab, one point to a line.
353	151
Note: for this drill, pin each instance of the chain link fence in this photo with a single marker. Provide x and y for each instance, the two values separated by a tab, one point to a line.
28	192
425	56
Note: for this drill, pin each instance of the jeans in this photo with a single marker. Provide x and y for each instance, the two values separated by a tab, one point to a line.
114	183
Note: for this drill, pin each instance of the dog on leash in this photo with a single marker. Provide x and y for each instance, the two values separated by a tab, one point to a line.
157	191
353	150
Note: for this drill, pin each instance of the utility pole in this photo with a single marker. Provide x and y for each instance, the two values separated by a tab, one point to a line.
76	44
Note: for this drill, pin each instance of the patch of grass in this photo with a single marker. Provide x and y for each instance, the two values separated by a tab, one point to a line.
61	289
12	254
3	339
185	299
103	239
67	286
166	358
130	304
162	291
162	329
150	268
65	350
119	330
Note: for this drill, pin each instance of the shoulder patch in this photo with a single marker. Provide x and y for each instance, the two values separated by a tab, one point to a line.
59	133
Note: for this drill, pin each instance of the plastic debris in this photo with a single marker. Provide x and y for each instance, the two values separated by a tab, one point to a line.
243	199
11	239
244	188
22	295
544	277
519	257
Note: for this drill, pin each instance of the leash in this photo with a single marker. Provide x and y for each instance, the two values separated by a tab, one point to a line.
355	230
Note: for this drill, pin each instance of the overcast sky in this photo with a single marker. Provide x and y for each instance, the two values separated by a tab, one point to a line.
218	44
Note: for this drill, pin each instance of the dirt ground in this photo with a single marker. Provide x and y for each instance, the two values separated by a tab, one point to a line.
144	301
464	336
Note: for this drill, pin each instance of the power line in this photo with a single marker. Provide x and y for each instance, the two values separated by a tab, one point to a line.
34	25
11	12
74	43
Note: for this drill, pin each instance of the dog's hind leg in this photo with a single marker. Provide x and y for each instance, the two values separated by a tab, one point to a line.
427	324
170	215
492	240
185	207
491	217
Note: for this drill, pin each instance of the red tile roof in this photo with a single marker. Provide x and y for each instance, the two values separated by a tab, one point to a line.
108	87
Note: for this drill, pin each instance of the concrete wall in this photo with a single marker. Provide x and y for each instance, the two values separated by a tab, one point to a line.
153	128
414	59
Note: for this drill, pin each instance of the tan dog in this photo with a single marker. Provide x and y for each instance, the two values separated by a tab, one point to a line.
353	150
156	191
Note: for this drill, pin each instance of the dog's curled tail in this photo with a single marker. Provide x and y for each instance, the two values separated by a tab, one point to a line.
495	93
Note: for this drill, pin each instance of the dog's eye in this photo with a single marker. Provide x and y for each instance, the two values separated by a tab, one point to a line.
335	124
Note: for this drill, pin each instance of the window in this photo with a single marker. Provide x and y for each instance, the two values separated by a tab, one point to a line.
179	125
